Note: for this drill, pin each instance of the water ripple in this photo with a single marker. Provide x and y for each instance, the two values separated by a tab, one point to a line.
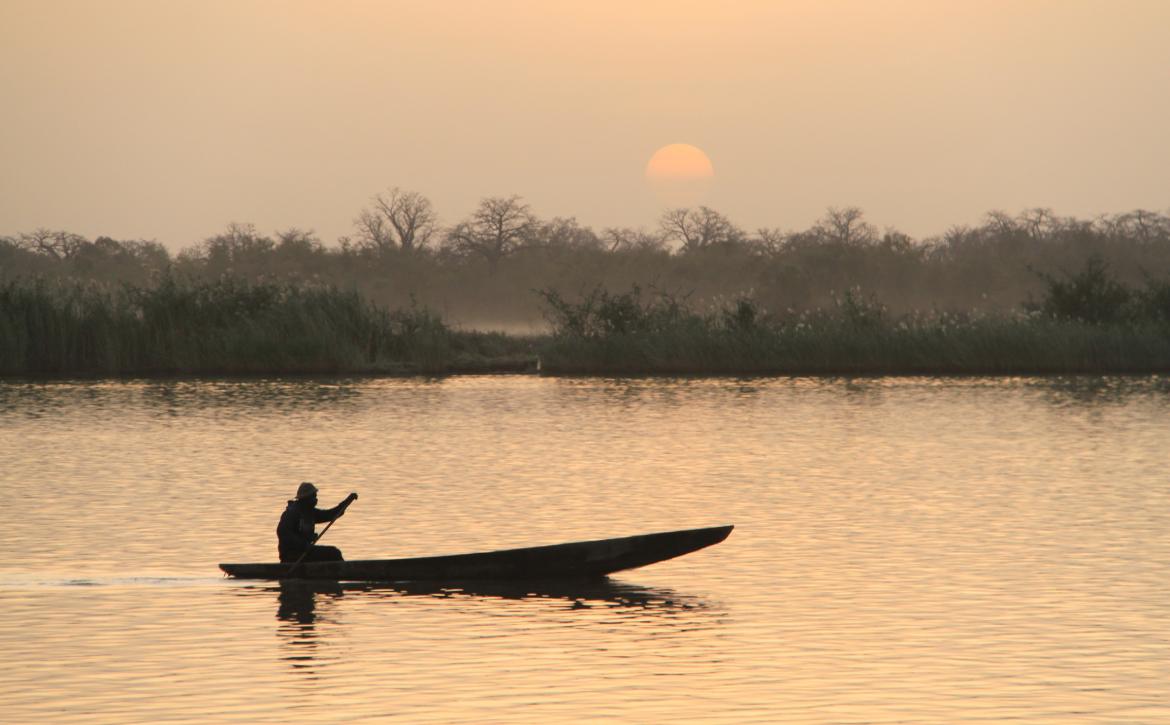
907	550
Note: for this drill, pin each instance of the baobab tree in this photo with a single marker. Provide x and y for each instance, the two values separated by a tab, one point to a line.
698	228
55	244
497	227
1001	224
397	219
1038	222
846	226
1140	224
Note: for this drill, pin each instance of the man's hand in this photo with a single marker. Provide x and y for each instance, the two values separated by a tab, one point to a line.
345	504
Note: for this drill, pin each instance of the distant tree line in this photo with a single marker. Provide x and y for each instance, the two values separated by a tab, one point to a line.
485	269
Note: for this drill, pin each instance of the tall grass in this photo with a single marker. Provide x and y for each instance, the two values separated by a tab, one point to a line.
1085	322
634	333
227	326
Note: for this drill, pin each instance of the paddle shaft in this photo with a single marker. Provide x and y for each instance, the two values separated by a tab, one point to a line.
323	532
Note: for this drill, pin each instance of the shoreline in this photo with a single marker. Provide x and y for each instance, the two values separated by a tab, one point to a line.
529	370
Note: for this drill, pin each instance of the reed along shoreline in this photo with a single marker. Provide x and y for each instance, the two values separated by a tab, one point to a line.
229	327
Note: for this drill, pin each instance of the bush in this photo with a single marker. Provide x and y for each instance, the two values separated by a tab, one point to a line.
1091	295
1153	303
600	313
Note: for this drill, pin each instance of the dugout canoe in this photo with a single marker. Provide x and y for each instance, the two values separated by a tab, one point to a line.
576	559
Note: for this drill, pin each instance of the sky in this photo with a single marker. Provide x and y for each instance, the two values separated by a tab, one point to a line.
167	120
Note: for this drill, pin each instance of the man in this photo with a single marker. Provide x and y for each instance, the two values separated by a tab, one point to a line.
294	533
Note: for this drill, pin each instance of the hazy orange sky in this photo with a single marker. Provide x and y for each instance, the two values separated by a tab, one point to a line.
167	120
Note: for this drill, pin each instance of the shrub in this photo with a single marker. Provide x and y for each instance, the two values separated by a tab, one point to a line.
1153	302
600	313
1092	295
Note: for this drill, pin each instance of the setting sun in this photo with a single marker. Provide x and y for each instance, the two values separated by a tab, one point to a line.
679	174
679	161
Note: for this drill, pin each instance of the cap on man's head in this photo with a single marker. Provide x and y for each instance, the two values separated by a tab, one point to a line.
305	490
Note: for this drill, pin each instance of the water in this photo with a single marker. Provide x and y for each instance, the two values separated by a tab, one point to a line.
906	550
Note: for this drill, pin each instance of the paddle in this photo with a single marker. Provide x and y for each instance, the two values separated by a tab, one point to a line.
348	500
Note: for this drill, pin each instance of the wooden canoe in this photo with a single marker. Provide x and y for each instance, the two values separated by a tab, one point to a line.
577	559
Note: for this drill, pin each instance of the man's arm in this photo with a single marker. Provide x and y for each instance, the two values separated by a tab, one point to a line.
323	515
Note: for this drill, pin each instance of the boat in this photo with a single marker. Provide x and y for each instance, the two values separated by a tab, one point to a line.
576	559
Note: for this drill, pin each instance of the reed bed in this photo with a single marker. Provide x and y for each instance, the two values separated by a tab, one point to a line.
229	326
1085	323
606	334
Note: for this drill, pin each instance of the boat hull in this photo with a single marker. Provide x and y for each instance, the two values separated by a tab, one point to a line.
577	559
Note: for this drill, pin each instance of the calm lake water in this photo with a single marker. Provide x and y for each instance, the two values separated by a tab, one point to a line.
906	550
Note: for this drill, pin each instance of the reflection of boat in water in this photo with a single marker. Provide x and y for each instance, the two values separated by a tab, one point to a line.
559	561
310	612
298	598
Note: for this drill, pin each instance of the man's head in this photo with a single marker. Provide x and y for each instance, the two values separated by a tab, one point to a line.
307	492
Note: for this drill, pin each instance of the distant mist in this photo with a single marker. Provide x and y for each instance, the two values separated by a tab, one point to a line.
484	271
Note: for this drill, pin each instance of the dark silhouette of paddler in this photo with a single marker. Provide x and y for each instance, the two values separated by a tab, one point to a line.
295	533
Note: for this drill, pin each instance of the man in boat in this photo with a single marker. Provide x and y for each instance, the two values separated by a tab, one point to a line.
295	532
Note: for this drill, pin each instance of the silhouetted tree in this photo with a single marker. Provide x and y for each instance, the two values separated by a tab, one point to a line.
1140	224
56	244
295	241
1038	223
770	239
132	261
1001	224
989	266
896	241
494	230
846	227
239	249
372	232
298	252
398	219
698	228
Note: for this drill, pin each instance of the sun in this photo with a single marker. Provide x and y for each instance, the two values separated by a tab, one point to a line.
680	174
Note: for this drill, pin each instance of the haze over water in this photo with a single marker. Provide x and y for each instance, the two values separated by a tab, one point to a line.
906	550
